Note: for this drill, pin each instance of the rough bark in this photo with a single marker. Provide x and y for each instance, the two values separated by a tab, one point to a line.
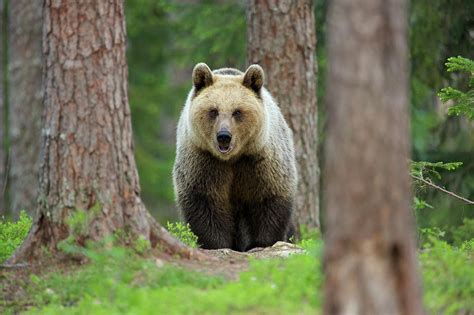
87	163
281	38
25	101
370	258
2	117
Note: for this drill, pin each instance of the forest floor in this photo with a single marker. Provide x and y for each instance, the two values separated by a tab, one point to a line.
118	280
28	288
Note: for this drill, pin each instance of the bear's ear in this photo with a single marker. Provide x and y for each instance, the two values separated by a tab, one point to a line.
202	76
253	78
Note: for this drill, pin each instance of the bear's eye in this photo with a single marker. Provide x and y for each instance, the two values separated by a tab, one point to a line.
213	113
237	114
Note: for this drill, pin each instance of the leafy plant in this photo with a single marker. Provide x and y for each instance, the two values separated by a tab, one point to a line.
425	169
448	277
422	172
183	233
464	232
463	102
12	234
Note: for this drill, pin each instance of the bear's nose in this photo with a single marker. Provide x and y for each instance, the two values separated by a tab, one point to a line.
224	137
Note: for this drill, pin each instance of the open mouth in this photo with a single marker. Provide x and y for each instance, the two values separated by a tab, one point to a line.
223	148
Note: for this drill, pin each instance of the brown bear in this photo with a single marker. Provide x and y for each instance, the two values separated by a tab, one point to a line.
234	175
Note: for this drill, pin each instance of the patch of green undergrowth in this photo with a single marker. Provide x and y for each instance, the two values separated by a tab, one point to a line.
117	281
448	276
12	234
183	233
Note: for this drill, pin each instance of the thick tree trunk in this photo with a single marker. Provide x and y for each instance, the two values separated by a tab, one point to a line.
87	163
2	117
370	258
281	38
25	101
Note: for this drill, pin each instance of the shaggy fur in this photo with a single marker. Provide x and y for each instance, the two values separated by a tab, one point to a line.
243	198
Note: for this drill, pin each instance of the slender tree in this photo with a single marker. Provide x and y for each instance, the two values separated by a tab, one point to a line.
281	38
2	117
87	164
370	256
25	101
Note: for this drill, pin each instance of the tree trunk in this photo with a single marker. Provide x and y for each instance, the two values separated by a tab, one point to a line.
281	38
88	179
25	101
2	118
370	257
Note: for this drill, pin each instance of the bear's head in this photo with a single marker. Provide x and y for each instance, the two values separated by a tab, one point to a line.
227	113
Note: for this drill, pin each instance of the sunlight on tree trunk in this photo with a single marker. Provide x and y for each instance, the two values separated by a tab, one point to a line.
370	257
25	101
281	38
87	163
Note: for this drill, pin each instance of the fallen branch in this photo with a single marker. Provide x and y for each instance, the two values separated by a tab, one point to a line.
430	183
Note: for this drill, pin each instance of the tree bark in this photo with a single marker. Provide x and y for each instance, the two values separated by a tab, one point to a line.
281	38
25	101
87	164
370	256
2	117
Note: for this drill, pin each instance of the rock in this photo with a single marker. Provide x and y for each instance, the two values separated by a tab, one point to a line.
279	249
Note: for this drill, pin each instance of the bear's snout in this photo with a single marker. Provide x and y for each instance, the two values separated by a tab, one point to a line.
224	138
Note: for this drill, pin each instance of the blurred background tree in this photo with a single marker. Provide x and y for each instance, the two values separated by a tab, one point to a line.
25	102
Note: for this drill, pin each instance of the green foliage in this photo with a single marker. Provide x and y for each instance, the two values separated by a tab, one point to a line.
183	233
425	169
426	236
419	204
165	40
463	232
79	222
117	281
448	277
215	32
141	245
12	234
463	102
438	30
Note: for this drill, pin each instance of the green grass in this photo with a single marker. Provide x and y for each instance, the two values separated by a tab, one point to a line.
448	277
12	234
183	233
121	281
118	281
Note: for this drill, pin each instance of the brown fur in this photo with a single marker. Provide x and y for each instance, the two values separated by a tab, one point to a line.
243	198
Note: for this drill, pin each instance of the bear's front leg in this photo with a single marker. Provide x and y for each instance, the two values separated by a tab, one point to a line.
269	221
212	224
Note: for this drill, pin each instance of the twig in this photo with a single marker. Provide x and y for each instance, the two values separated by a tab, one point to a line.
430	183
